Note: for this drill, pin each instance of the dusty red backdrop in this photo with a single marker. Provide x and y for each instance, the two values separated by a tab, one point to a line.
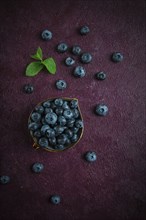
112	188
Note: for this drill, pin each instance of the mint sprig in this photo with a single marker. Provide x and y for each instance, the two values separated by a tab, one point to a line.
35	67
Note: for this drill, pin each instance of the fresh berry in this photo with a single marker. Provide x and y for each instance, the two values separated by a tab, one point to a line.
61	120
37	167
58	102
74	138
79	124
52	141
39	109
76	50
65	105
58	130
117	57
75	130
46	35
44	128
68	133
59	111
28	88
50	133
62	47
101	110
4	179
61	139
69	61
61	84
43	142
101	75
74	103
90	156
37	134
75	113
86	58
51	118
47	104
68	114
48	110
35	116
70	123
33	126
84	30
79	71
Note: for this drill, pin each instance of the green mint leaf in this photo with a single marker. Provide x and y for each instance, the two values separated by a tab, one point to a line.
34	68
50	65
38	55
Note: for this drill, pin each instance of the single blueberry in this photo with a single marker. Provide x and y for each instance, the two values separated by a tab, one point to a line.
68	133
37	167
84	30
76	50
70	123
86	58
44	128
39	109
74	103
48	110
61	120
75	113
58	102
101	75
58	130
117	57
79	71
50	133
74	138
47	104
43	142
51	118
65	105
37	134
68	114
90	156
4	179
52	141
28	88
46	35
33	126
101	110
35	116
55	199
69	61
62	47
61	139
53	106
59	111
79	124
61	84
75	130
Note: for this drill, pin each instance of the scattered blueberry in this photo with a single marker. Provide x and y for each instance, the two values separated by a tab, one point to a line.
28	88
84	30
37	167
46	35
76	50
90	156
79	71
51	118
101	75
61	84
62	47
86	58
35	116
69	61
101	110
43	142
4	179
117	57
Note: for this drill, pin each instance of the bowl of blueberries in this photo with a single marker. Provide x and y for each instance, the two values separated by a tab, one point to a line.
56	124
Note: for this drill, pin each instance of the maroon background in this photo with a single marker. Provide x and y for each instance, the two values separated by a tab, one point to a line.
112	188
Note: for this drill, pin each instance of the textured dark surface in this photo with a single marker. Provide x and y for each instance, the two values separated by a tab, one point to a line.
112	188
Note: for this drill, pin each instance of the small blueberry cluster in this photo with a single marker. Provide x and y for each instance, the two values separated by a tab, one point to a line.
56	124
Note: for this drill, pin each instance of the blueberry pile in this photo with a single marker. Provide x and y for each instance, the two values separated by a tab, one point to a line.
56	124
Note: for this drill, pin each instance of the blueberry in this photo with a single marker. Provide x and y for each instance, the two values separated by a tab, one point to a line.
74	138
75	113
74	103
51	118
68	114
43	142
117	57
35	116
48	110
62	47
69	61
28	88
84	30
101	110
59	111
4	179
58	130
79	71
79	124
46	35
75	130
61	120
68	133
65	105
52	141
47	104
70	123
44	128
86	58
37	167
37	134
61	84
101	75
50	133
59	147
76	50
33	126
68	142
90	156
61	139
58	102
39	109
